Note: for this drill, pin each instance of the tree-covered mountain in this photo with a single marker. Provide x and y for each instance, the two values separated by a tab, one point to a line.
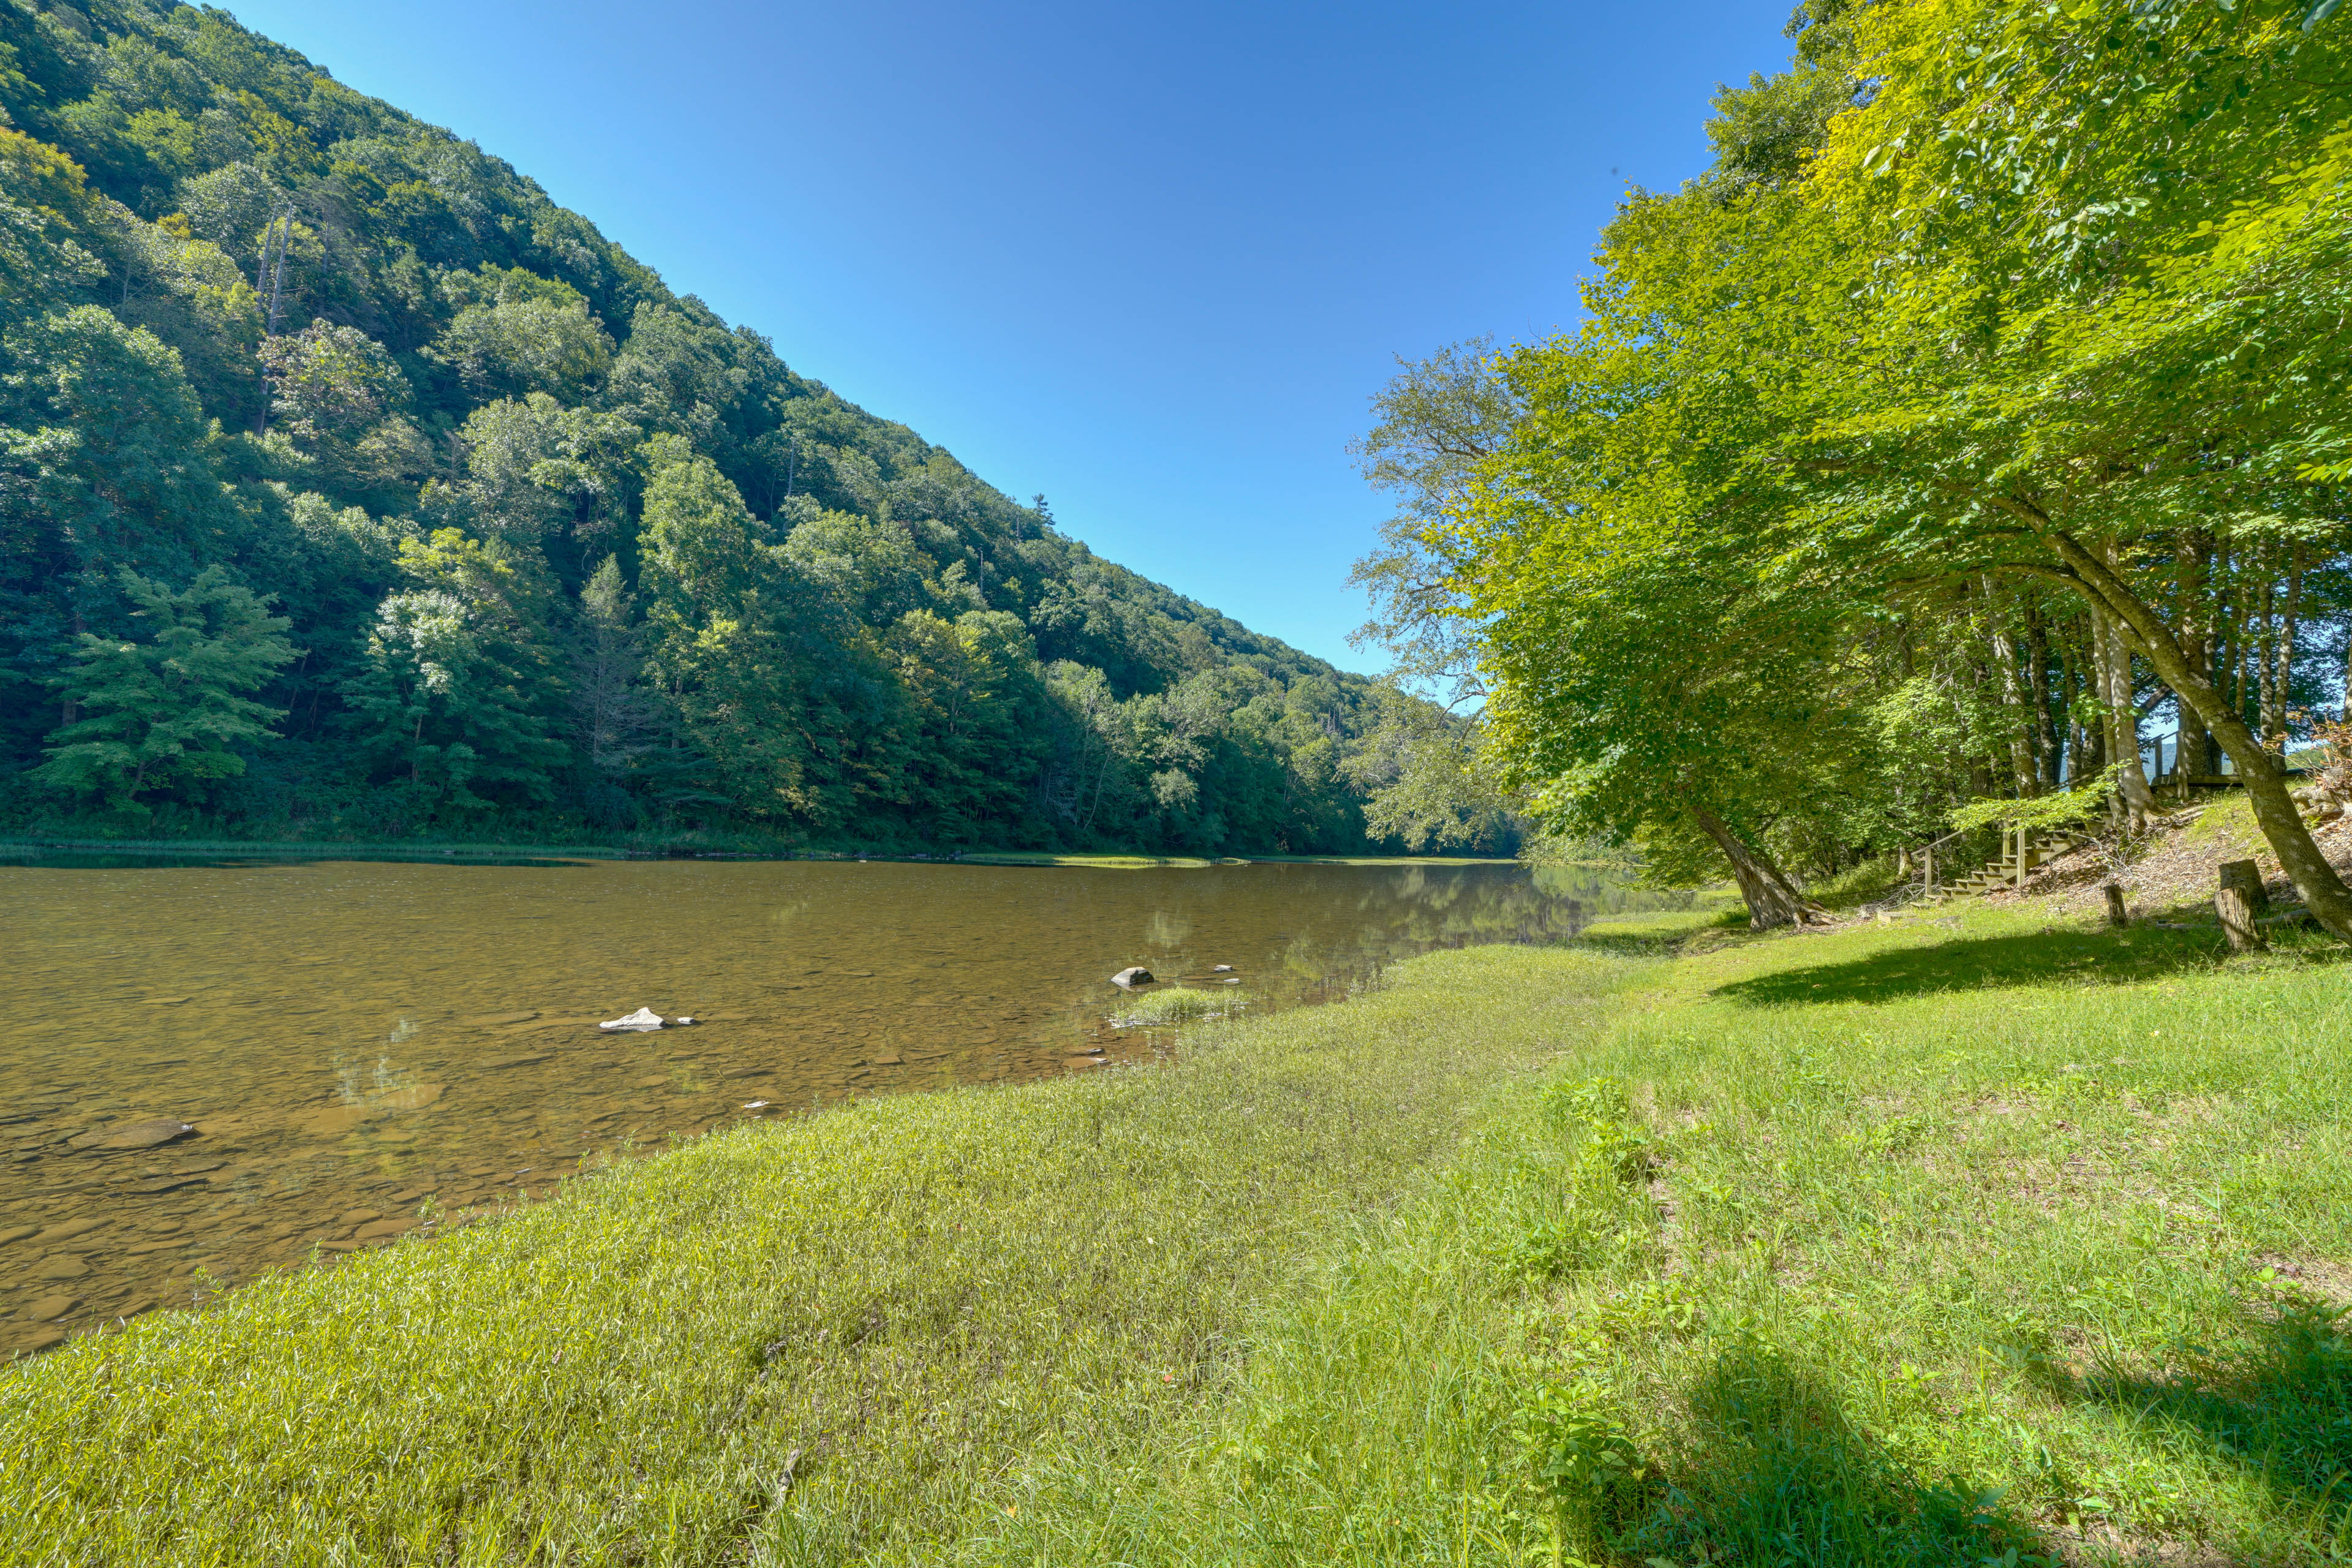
352	485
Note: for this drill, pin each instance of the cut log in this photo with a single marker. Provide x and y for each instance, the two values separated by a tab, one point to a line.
2237	920
2247	879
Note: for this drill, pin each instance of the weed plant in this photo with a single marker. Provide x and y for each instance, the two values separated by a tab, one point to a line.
1178	1006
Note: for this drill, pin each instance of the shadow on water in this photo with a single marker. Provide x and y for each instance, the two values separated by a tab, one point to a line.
2083	958
1772	1471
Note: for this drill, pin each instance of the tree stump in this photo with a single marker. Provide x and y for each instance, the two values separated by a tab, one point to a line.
2237	920
2242	875
2115	914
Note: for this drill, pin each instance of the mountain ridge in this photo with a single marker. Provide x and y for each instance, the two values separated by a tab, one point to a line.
549	538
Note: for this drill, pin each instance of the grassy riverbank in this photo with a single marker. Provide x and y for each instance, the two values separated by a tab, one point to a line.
1913	1244
822	1338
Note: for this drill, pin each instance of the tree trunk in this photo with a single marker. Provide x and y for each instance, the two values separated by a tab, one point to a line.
2238	920
1772	900
2070	687
2284	685
2269	705
2347	717
2021	775
2193	751
2047	742
2112	659
2324	892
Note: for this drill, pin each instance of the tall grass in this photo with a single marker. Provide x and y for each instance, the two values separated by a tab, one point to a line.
1973	1241
803	1344
1967	1239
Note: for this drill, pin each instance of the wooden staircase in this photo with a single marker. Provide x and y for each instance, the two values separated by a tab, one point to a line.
2003	873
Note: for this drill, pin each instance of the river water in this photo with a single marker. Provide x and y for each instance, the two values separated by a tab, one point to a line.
352	1042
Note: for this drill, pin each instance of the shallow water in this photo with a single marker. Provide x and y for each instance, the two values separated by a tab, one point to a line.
352	1040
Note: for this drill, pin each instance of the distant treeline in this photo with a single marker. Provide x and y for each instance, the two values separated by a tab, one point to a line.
351	485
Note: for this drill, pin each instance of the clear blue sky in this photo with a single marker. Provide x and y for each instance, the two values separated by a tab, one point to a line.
1147	259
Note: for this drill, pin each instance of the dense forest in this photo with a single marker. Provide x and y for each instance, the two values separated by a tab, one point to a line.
1975	427
351	488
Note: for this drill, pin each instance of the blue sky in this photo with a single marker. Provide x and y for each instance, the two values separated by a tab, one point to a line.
1150	260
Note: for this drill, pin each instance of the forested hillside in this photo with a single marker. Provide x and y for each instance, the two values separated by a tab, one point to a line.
1979	419
353	487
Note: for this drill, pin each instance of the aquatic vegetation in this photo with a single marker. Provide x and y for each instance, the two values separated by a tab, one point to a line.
1178	1006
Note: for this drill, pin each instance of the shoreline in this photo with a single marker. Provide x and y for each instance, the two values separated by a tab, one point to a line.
33	846
1672	1242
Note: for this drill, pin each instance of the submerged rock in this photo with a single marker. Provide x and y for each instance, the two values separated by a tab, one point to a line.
330	1120
1137	975
642	1021
134	1134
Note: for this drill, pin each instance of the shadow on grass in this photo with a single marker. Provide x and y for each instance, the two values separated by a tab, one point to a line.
2121	958
1638	936
2280	1406
1771	1471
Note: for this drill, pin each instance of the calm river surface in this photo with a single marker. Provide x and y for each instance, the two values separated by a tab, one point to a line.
351	1039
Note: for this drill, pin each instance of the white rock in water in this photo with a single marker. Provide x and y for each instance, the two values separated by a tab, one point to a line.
642	1019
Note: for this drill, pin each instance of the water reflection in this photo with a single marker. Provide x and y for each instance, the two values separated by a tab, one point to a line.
349	1039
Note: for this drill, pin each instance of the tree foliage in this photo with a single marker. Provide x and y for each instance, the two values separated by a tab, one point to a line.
559	546
1984	399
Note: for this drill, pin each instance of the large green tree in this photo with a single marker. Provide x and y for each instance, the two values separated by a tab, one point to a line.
169	710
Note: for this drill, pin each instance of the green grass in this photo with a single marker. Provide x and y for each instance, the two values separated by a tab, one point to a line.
804	1343
1926	1243
1897	1245
1175	1005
